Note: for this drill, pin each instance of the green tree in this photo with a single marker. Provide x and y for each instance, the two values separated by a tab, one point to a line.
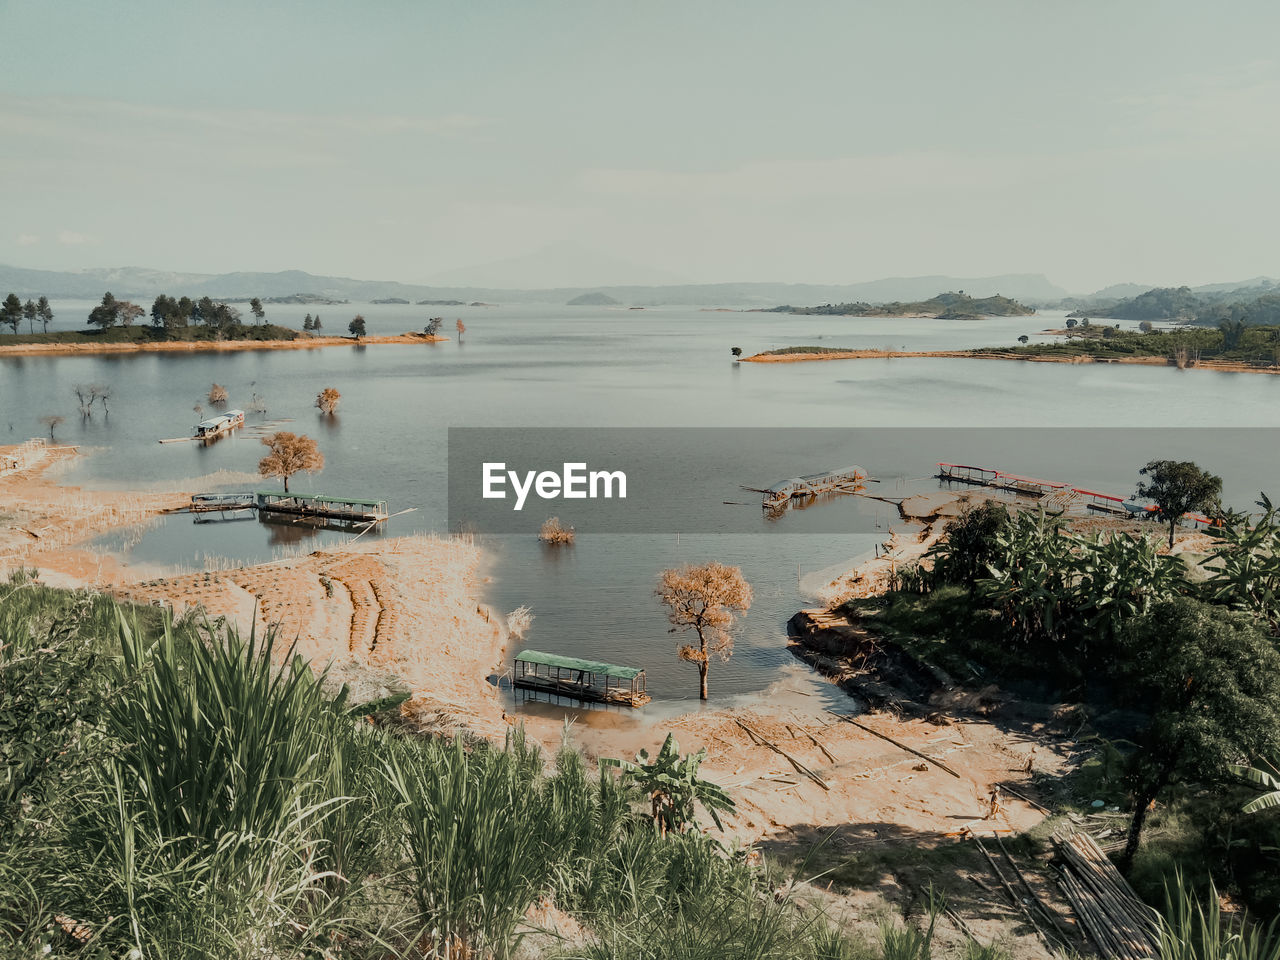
432	329
306	322
971	544
1178	487
255	306
736	351
315	324
1209	681
11	311
44	312
357	326
127	312
672	784
29	312
1024	339
105	314
1071	323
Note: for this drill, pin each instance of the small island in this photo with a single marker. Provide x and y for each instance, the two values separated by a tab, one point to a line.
596	299
1232	348
945	306
385	300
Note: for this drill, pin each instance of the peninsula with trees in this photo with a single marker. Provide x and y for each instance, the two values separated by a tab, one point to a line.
944	306
173	323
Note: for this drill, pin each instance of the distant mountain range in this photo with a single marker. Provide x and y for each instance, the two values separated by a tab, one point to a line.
144	284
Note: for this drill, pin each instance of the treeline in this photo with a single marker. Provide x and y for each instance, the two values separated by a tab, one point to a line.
1182	303
945	306
1234	340
13	311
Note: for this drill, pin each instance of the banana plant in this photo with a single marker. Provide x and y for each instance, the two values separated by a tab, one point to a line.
1030	580
1268	780
673	786
1118	578
1247	566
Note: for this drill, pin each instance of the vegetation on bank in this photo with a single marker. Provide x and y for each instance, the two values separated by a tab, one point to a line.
1181	303
1176	659
1232	341
170	792
945	306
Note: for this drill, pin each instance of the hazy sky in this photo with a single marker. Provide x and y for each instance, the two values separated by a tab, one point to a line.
827	142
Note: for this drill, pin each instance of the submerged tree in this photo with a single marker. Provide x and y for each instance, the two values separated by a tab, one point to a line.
290	453
1209	681
217	394
461	328
705	599
1178	487
52	421
327	400
736	351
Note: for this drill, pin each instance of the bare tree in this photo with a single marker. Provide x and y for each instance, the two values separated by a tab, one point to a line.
290	453
102	393
85	397
217	394
127	312
52	421
704	599
327	400
257	403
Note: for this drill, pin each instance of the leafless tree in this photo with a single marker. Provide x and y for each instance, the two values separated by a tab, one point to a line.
554	532
85	397
52	421
705	599
217	394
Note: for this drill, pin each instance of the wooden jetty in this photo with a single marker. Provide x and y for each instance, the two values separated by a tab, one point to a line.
347	509
588	680
343	513
841	480
1062	494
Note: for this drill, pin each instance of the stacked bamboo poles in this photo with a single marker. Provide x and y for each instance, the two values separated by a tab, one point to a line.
1116	920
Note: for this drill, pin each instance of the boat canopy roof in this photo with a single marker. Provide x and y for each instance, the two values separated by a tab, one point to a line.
575	663
317	498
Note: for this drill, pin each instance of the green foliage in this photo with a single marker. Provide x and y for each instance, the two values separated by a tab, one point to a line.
1179	487
1246	566
673	786
11	311
471	828
357	327
1268	780
1209	681
970	544
1195	928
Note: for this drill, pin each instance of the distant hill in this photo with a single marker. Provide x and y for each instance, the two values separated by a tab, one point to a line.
596	299
1248	305
944	306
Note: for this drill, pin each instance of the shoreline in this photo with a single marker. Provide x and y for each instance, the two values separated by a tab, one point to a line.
206	346
1219	366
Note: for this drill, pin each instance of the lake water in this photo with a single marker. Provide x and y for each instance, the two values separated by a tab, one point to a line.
524	366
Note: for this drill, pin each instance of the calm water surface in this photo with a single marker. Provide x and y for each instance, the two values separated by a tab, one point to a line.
541	366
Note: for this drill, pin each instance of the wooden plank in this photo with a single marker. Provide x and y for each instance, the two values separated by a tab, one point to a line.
897	743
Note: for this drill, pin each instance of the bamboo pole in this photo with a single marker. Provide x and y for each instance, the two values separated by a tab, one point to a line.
800	767
897	743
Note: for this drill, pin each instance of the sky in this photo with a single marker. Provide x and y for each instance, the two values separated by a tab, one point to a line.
604	142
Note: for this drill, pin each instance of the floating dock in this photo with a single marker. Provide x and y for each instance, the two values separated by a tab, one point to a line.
1061	493
342	513
841	480
588	680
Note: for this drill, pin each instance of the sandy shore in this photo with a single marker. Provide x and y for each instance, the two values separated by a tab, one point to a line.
206	346
1221	366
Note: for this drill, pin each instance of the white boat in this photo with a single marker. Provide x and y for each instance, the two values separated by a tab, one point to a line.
216	426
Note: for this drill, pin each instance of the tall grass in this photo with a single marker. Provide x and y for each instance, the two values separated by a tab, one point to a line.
1196	929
